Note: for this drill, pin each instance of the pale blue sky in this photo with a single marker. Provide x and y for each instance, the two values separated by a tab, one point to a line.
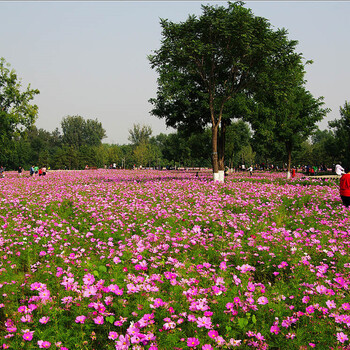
90	58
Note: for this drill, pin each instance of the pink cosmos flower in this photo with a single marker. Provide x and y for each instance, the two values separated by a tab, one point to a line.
204	322
220	340
44	344
99	320
88	279
342	337
80	319
12	329
346	306
192	342
305	299
28	335
310	309
275	329
44	294
262	301
44	320
207	347
123	342
331	304
116	260
113	335
213	334
235	342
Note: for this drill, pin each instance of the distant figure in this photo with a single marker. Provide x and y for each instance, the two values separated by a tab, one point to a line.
36	170
31	170
339	170
250	169
2	171
20	171
43	170
344	189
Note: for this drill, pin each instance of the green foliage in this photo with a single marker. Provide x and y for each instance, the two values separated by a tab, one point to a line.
341	129
78	132
207	64
17	113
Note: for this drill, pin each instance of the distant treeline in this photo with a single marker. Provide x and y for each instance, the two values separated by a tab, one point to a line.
79	143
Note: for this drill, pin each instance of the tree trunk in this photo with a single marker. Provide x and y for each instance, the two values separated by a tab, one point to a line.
214	142
221	151
289	161
221	145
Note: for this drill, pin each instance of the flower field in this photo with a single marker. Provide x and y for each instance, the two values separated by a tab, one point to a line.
114	259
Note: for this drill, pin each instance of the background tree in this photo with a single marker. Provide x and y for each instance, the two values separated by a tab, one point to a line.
205	63
238	135
83	137
341	129
324	148
76	131
17	113
139	133
296	119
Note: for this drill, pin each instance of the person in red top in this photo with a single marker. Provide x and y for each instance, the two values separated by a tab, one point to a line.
344	187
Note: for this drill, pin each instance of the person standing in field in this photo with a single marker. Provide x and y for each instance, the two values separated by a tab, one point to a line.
2	171
250	169
344	189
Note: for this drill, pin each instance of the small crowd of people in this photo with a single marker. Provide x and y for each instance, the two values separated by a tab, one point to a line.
36	171
33	171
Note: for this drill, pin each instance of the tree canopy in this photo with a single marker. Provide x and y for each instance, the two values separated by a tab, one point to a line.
78	132
341	129
206	63
17	113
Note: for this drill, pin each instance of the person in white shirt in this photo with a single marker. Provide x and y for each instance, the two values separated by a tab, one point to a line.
339	170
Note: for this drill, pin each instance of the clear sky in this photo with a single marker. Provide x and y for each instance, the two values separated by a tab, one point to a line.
90	58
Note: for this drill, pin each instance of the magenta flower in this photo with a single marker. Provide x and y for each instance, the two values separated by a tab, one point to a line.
28	335
123	342
80	319
262	301
213	334
342	337
192	342
44	294
275	329
88	279
207	347
44	344
113	335
204	322
44	320
99	320
346	306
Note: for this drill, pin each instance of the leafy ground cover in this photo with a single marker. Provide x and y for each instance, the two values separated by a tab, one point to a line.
163	260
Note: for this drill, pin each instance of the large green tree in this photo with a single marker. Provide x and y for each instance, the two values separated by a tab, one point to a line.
17	113
292	116
76	131
205	63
